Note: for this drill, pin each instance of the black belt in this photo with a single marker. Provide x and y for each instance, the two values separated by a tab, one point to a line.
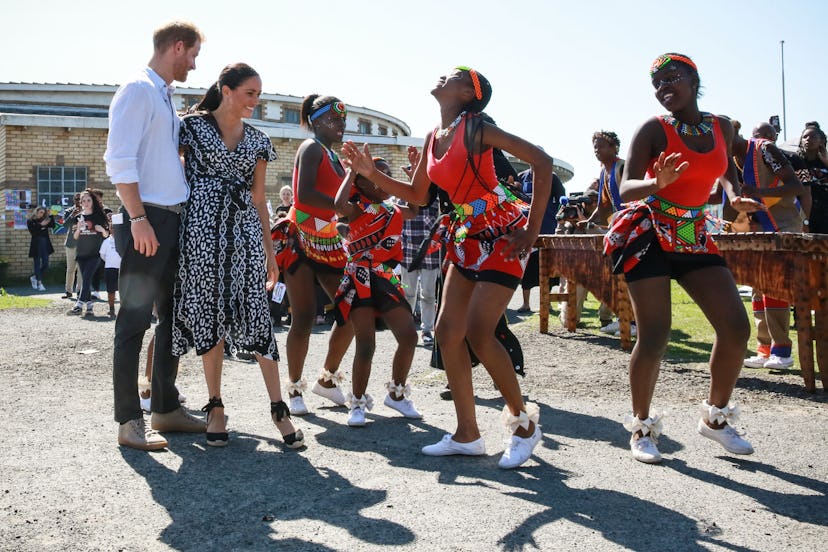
174	208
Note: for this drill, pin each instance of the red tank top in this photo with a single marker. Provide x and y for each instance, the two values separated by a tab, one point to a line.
453	174
694	185
327	182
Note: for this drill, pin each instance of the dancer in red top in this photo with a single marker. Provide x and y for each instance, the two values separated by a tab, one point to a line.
664	236
372	227
489	242
308	247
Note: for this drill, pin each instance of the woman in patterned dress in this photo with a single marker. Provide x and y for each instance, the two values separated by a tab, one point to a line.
490	239
226	262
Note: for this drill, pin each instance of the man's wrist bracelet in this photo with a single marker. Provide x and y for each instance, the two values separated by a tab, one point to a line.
139	218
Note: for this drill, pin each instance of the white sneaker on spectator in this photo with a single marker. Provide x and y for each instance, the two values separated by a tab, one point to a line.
633	331
33	280
41	287
611	328
779	362
756	361
96	295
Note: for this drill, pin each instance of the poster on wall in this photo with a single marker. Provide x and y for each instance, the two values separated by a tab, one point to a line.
20	220
18	200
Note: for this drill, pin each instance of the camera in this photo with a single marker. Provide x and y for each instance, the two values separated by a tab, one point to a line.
573	206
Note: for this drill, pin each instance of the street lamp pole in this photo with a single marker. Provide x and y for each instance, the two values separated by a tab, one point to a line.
784	114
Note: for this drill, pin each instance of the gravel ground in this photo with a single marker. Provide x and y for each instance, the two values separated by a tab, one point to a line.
65	484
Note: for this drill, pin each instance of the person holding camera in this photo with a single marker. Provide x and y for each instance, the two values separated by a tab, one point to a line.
40	246
811	165
90	232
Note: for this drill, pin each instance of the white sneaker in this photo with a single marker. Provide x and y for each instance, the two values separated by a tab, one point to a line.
41	287
633	331
96	295
297	406
756	361
357	417
519	449
644	450
777	362
728	437
611	328
448	446
33	280
404	406
331	393
146	404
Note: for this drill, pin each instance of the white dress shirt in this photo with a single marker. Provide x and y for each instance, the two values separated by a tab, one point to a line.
142	145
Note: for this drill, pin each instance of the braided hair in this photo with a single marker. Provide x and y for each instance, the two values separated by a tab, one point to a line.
609	136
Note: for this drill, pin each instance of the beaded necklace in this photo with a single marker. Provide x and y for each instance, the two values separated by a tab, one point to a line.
701	129
442	132
331	155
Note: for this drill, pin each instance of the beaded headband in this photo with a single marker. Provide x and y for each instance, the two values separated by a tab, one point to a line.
665	59
478	92
338	108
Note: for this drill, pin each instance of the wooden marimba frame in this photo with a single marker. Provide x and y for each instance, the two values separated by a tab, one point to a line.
787	266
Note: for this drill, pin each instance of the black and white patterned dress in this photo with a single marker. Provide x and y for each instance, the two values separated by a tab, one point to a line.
220	287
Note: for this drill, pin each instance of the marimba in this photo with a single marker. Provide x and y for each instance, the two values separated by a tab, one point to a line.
788	266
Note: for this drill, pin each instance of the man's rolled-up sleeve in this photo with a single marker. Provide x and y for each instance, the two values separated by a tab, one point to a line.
128	114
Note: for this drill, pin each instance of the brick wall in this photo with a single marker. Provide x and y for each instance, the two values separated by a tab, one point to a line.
22	149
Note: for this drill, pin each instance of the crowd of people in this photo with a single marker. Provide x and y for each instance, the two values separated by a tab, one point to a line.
444	248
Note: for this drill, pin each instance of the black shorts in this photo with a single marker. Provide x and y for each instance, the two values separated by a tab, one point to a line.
657	262
111	277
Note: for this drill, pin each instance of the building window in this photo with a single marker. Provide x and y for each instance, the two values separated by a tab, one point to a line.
364	127
383	131
290	115
57	185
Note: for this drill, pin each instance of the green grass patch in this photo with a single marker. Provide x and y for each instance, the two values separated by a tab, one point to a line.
20	302
691	336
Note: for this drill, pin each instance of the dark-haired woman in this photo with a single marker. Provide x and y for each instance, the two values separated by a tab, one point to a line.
40	246
310	248
91	230
226	262
672	163
490	239
811	166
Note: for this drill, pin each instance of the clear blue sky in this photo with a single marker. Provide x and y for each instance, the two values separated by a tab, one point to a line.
560	70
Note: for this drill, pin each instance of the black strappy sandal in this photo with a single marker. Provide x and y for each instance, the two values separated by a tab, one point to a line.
215	439
279	410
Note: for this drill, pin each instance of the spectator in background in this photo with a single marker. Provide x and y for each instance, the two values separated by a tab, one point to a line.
531	276
70	219
286	201
91	230
40	246
424	277
99	274
606	146
768	177
112	266
811	165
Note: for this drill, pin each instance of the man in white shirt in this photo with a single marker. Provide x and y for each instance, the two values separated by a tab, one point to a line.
143	163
